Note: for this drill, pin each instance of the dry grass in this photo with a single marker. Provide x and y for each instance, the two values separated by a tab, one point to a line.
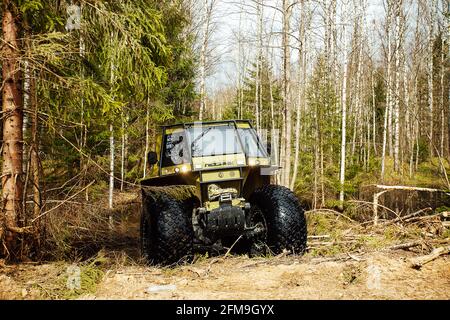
79	230
334	234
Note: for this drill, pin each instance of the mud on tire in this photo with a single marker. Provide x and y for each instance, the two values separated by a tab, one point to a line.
166	230
284	218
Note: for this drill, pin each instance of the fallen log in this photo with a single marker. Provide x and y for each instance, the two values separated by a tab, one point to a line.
331	243
416	243
417	263
405	245
414	219
409	188
408	216
385	189
319	237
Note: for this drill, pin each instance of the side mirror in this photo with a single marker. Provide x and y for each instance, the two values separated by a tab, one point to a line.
152	158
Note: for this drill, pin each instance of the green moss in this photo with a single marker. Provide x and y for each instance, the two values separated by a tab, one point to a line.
198	258
318	224
97	190
326	251
374	242
90	275
442	209
445	234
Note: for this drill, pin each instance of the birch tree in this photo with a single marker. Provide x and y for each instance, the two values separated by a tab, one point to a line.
444	58
430	72
388	112
258	87
286	83
304	23
208	7
396	113
111	138
343	116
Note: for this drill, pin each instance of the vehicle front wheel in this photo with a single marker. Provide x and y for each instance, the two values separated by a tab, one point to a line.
277	210
166	231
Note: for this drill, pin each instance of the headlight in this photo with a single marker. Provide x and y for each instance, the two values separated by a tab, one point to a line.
182	169
252	162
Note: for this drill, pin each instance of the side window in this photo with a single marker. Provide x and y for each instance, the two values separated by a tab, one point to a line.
175	149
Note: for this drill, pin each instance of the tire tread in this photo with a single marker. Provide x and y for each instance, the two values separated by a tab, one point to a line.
285	218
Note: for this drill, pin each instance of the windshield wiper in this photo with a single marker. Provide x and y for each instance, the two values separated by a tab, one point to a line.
199	137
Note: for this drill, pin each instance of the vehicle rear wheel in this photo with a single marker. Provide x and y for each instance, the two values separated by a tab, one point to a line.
279	211
166	230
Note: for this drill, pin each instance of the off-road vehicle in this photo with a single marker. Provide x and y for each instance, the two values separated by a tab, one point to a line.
208	185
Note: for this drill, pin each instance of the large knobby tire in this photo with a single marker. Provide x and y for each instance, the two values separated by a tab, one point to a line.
166	230
283	217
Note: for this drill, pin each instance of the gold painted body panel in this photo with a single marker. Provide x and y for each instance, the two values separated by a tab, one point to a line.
220	175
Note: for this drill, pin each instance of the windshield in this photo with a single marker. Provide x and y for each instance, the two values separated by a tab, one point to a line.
250	143
214	140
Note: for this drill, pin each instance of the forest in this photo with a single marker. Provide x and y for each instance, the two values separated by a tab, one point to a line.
352	95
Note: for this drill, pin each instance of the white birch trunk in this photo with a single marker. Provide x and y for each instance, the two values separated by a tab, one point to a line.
300	91
147	136
430	73
396	113
122	154
343	123
111	149
374	115
389	78
239	66
111	166
387	128
258	86
383	149
442	77
203	61
287	11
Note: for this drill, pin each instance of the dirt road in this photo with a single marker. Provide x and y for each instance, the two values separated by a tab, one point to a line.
379	275
375	276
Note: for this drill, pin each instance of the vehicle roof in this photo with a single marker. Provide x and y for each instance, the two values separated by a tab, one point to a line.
205	123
